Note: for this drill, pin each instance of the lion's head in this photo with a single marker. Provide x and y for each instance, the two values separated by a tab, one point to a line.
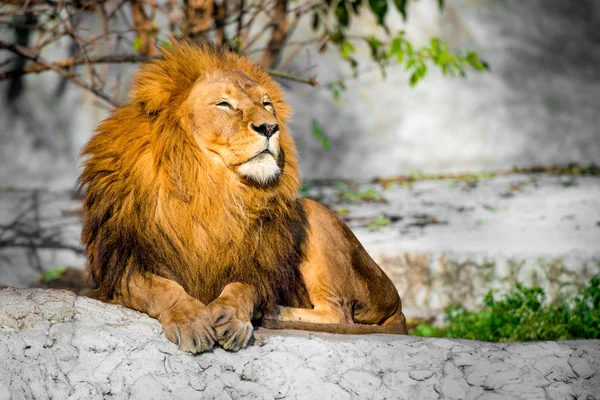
234	119
198	162
233	110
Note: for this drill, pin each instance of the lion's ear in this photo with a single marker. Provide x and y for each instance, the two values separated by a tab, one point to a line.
163	82
152	88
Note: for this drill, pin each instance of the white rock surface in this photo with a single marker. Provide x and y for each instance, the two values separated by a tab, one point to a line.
56	345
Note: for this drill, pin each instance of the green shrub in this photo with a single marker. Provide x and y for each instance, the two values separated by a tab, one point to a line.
523	315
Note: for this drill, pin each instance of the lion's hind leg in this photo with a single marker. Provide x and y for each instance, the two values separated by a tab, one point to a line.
397	322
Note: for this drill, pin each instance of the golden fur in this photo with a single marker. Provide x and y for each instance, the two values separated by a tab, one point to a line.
185	220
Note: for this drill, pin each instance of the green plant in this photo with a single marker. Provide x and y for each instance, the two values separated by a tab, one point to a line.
379	221
317	133
523	315
52	274
353	196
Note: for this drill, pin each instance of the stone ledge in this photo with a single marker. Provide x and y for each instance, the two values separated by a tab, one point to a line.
54	344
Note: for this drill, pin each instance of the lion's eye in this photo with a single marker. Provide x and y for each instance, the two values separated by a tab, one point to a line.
267	103
224	104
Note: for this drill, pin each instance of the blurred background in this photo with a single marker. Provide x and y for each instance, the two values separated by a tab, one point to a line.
418	122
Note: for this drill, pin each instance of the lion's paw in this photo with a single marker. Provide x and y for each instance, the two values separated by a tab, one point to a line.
232	333
189	326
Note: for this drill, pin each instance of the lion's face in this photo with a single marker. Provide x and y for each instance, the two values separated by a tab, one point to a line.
233	118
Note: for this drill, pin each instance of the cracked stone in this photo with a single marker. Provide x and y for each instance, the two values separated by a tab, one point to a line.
463	359
477	374
533	377
498	380
4	392
532	351
560	391
420	375
360	382
554	368
452	389
581	367
105	351
523	391
491	396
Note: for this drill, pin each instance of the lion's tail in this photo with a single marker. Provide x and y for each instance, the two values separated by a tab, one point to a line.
390	327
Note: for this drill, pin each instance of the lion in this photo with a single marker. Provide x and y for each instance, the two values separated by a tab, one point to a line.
192	214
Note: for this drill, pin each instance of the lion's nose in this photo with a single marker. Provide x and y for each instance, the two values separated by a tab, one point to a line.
267	130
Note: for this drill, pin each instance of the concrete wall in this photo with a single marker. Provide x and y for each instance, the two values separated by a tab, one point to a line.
538	105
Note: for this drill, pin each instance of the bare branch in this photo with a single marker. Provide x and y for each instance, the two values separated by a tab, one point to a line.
278	36
144	29
115	22
28	54
311	81
198	18
71	62
240	25
85	4
220	16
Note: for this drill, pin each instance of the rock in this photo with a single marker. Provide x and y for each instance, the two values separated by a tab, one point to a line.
491	396
560	391
478	373
420	375
523	391
453	389
54	344
554	368
581	367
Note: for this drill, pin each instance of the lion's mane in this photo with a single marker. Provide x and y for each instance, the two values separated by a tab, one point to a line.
154	203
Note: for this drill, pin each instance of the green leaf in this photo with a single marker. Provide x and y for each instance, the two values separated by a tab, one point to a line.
396	46
419	70
379	8
352	196
341	12
342	211
53	274
346	48
137	44
401	6
164	43
304	189
473	59
318	134
425	330
441	4
337	88
376	47
379	221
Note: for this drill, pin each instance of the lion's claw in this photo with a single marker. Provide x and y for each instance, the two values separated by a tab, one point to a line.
189	326
232	333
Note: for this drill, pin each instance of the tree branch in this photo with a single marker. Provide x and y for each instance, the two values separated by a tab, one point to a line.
198	18
280	30
36	58
310	81
143	28
71	62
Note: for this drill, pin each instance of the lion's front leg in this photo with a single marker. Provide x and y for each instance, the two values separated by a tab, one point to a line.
232	313
185	320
